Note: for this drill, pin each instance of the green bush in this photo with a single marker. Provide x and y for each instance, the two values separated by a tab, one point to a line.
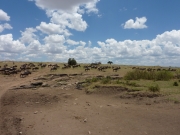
175	84
154	88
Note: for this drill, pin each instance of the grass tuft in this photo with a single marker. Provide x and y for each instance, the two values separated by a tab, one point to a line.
154	88
175	84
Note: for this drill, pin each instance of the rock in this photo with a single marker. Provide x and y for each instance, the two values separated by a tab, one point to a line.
35	112
45	85
40	78
62	83
85	120
37	83
23	87
99	76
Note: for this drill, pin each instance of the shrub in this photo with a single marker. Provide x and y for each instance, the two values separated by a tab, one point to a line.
164	75
94	79
119	82
154	88
106	80
88	80
175	84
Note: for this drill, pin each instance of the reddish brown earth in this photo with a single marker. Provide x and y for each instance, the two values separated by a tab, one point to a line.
61	109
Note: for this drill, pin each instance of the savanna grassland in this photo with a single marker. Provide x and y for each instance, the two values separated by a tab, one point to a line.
101	99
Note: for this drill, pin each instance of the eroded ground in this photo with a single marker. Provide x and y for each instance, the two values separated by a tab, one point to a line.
47	104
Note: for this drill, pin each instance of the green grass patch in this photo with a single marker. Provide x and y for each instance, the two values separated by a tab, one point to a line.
153	75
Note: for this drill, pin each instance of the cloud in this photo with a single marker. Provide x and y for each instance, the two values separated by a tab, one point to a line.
5	26
69	20
8	45
34	49
164	49
4	16
72	42
52	28
67	5
91	7
28	35
139	23
55	39
65	18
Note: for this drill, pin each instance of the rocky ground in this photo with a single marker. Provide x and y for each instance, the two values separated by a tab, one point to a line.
57	104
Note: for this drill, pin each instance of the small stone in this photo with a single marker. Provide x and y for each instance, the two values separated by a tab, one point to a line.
35	112
89	132
85	120
45	84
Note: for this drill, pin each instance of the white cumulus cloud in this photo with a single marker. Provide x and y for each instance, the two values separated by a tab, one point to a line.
139	23
5	26
67	5
69	20
52	28
72	42
8	45
4	16
28	35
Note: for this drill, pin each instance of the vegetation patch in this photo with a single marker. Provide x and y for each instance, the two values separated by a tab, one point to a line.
173	99
153	75
154	88
175	84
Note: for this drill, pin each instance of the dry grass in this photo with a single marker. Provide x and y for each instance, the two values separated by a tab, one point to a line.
166	87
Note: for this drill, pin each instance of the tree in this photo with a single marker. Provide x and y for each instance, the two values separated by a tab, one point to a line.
72	61
110	62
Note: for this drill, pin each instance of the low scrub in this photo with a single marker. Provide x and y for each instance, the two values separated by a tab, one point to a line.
106	80
132	84
175	84
154	88
154	75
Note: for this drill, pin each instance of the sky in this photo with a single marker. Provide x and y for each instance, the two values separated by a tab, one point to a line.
127	32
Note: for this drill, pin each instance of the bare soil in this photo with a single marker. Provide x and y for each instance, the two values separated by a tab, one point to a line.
52	105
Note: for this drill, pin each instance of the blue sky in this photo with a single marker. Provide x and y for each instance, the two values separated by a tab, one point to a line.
132	32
